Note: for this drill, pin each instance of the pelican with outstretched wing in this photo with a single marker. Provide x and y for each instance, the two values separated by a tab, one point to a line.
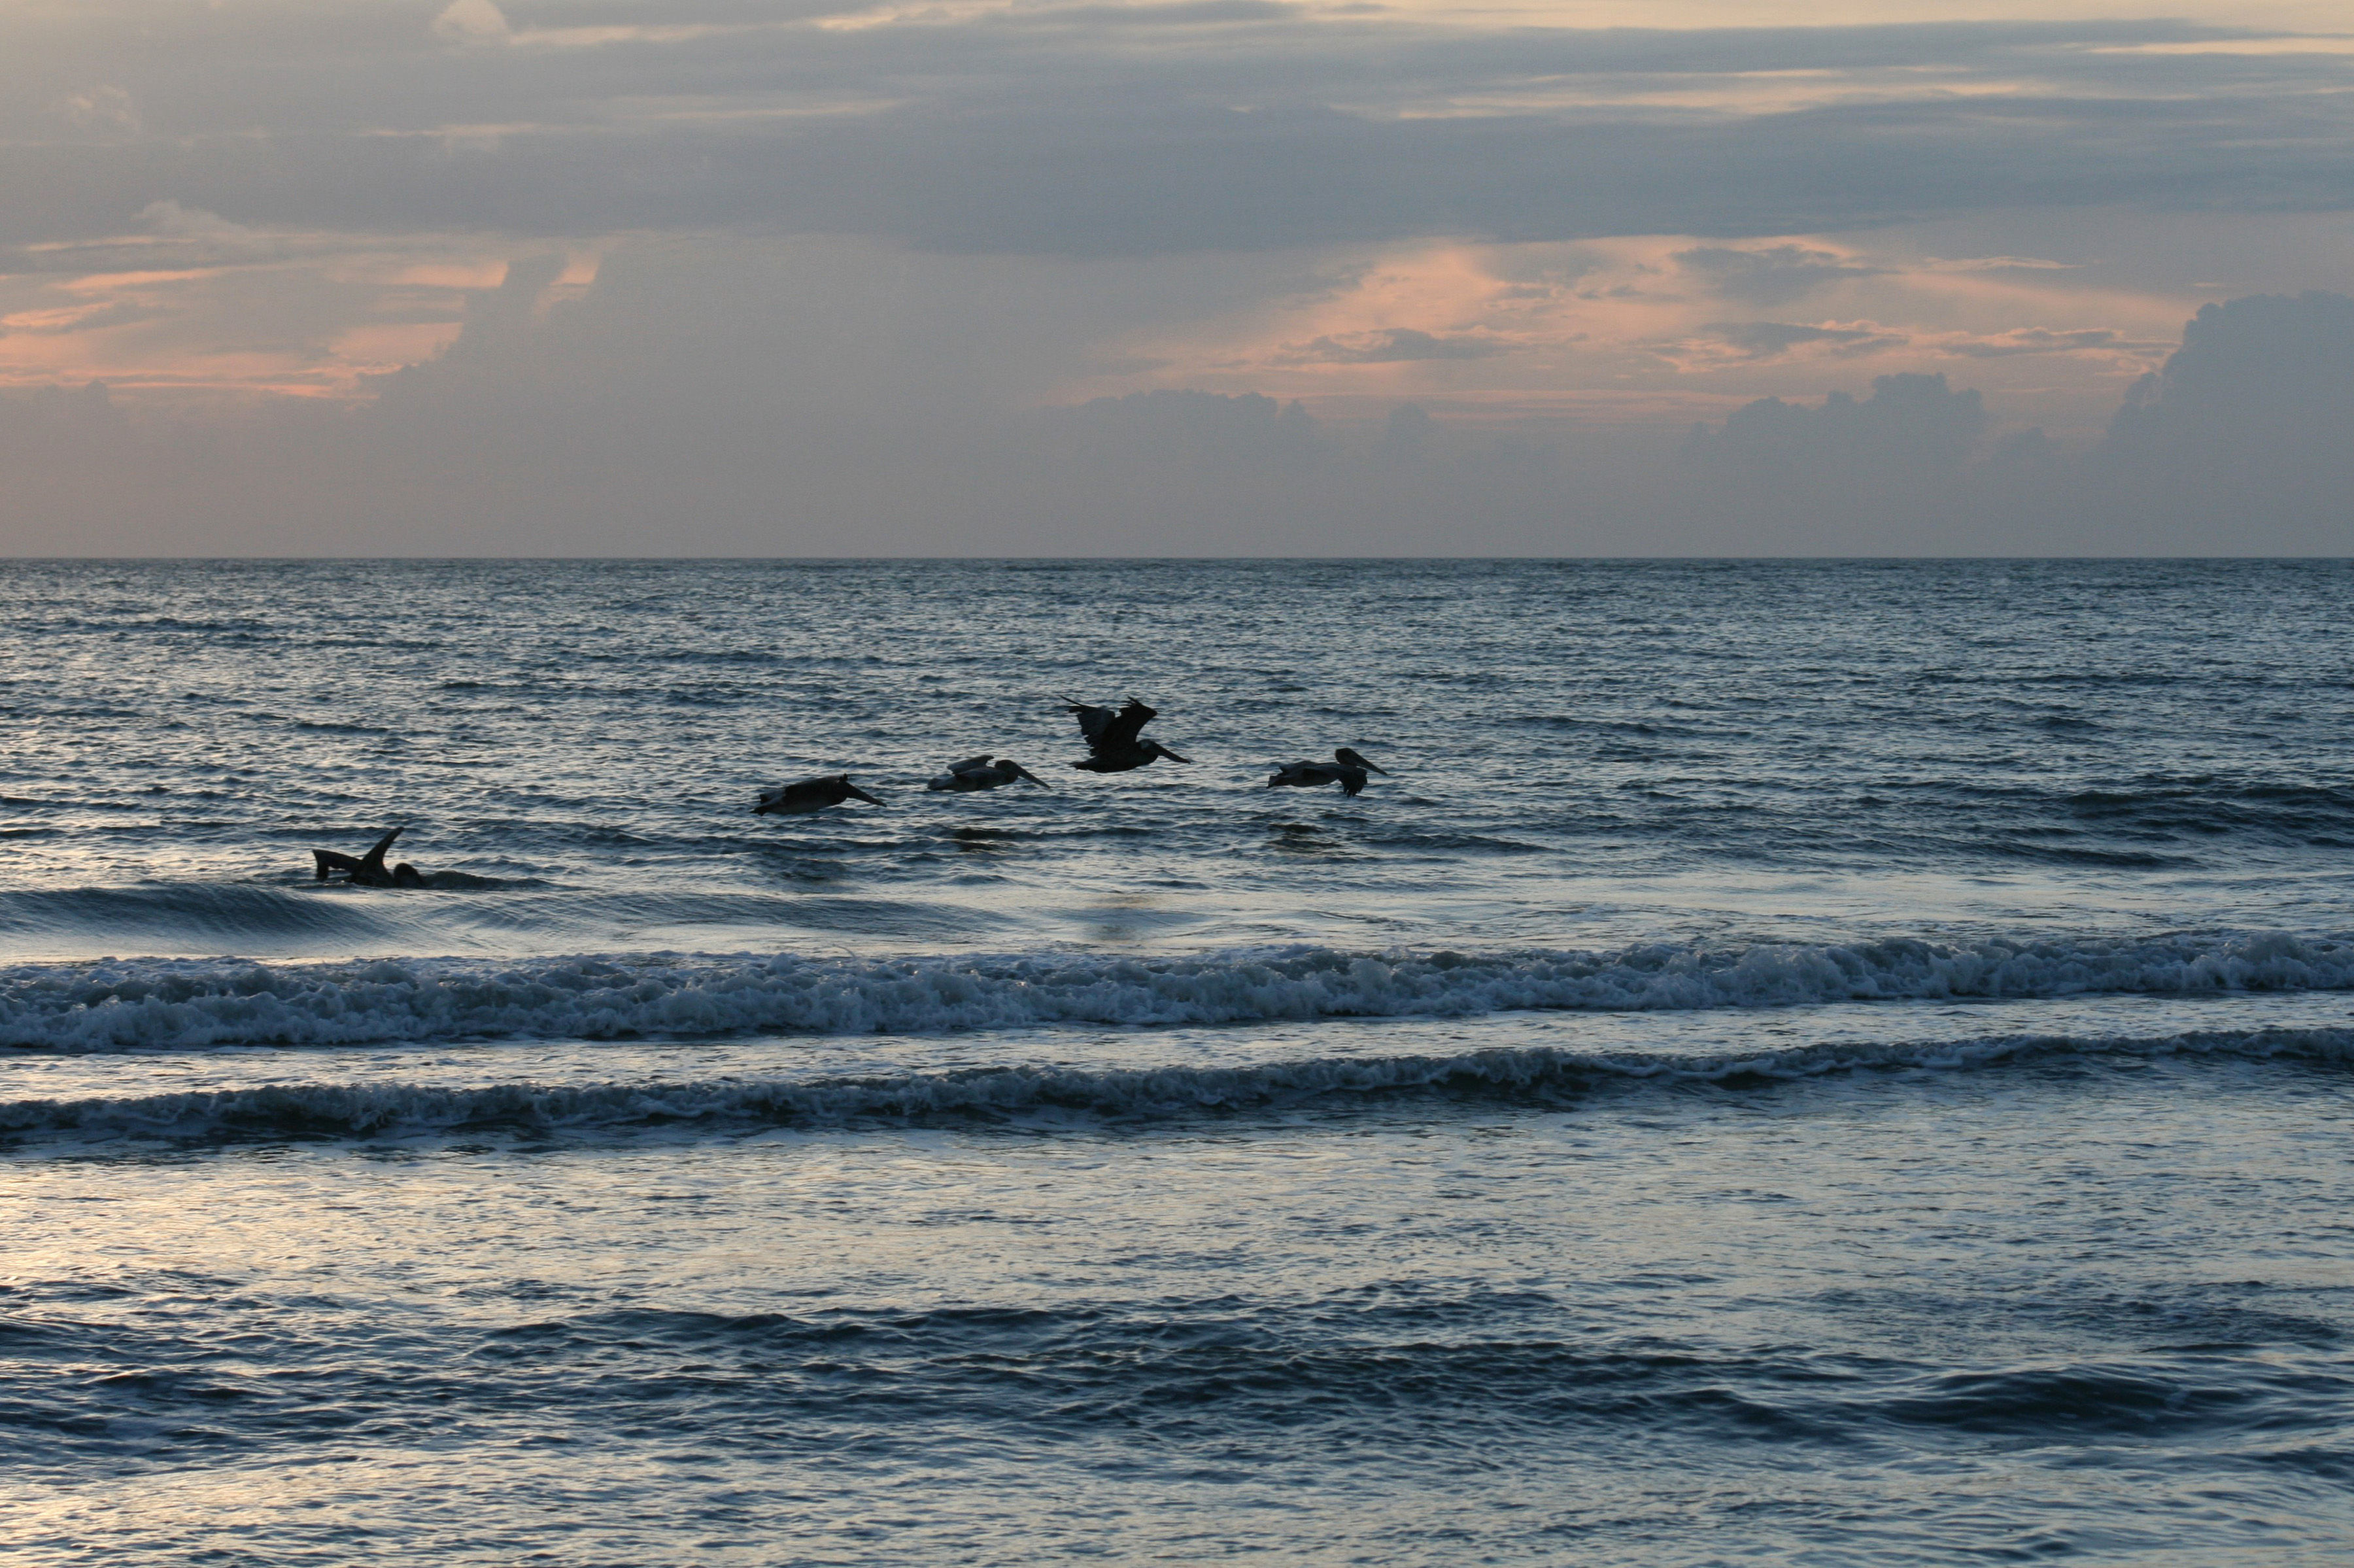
1115	743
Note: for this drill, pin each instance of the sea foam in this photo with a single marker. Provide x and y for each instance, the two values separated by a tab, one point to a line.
165	1004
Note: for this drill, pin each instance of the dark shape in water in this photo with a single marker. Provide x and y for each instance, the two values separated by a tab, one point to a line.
810	795
1348	769
1113	738
367	870
980	773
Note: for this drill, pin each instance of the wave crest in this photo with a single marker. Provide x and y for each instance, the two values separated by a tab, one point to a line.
162	1004
1531	1073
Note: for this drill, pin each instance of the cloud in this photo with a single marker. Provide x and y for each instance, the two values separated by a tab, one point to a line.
2241	444
1043	131
2269	366
1774	276
2245	434
1912	420
2042	340
87	317
1996	264
1888	473
471	22
103	108
1775	340
992	273
172	221
1181	14
657	415
1390	345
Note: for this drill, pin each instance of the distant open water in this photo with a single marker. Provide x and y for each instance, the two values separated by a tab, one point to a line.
1799	1064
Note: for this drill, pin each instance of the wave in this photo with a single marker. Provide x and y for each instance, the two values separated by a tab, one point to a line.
250	912
2198	810
1539	1074
161	1004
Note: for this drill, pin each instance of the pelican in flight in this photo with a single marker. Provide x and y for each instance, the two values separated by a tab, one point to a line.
810	795
1347	769
980	773
1113	743
367	870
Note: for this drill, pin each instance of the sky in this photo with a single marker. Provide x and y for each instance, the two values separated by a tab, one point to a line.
1203	276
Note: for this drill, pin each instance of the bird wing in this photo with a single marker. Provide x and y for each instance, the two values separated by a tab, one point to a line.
969	763
1093	721
1120	729
374	857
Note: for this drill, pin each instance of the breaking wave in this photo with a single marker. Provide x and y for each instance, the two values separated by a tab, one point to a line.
1533	1074
165	1004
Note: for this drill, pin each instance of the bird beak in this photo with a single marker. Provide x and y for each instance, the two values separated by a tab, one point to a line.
1034	778
1160	750
861	794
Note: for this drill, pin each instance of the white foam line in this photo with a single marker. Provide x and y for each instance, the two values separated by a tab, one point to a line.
190	1004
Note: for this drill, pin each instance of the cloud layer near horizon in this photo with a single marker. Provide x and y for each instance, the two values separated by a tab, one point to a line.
2243	444
595	275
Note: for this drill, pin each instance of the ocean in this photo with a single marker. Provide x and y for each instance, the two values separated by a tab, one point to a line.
1806	1063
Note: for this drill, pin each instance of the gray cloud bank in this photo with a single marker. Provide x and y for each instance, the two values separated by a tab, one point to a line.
1047	131
527	438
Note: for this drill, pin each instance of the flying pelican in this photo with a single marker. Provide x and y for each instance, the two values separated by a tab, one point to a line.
367	870
980	773
810	795
1113	746
1347	769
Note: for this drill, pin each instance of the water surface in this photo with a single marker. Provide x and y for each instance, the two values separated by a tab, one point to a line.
1799	1062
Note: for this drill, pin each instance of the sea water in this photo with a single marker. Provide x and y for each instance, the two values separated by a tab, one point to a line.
1794	1063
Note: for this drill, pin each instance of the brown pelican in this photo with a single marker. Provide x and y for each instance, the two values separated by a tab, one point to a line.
980	773
810	795
1113	746
367	870
1347	769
